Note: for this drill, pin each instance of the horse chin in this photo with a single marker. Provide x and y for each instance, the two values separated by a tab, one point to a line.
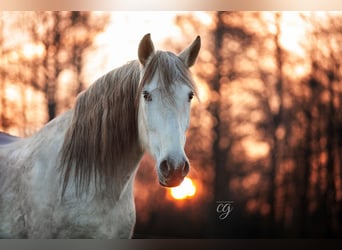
171	184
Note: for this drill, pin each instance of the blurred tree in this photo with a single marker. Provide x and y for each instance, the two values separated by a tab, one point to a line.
274	127
4	121
48	48
229	40
64	37
324	118
219	64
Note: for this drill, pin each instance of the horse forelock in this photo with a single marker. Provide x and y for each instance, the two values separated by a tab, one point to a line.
170	69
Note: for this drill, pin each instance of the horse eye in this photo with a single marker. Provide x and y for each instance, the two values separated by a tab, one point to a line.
147	96
191	95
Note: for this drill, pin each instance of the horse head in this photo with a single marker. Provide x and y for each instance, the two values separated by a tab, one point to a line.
165	93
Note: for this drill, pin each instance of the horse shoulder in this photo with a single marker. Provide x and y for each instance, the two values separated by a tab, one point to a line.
29	181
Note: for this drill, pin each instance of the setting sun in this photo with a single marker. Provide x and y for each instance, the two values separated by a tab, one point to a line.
185	190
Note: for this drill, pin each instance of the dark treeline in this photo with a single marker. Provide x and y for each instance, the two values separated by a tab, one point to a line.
268	136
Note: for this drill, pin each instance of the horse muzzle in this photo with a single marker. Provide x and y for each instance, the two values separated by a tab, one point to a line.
172	173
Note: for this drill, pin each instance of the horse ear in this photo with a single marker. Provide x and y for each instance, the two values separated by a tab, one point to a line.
146	49
189	55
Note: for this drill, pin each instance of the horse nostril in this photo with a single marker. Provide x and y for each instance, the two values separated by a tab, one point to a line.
168	170
185	168
164	168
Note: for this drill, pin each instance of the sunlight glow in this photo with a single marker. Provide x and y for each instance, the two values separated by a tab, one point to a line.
293	33
119	46
204	17
186	189
32	50
12	93
255	149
